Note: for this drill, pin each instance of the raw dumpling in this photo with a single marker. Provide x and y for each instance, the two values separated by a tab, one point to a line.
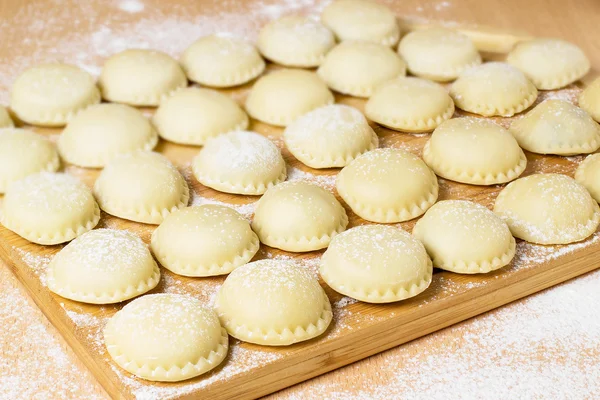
588	174
589	100
330	136
5	120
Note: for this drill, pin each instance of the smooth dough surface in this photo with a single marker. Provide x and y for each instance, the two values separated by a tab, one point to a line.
51	94
99	133
240	162
295	41
192	116
22	153
273	303
298	216
222	60
142	186
548	209
140	77
280	97
388	185
549	63
475	151
204	240
439	54
589	99
410	105
5	120
588	174
376	264
49	208
465	237
557	127
166	338
103	266
493	88
330	136
357	68
363	20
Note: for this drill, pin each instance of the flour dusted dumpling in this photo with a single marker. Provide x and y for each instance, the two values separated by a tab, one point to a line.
588	174
166	338
204	241
387	185
295	41
376	264
589	99
193	115
273	303
465	237
282	96
49	208
493	88
549	63
22	153
439	54
99	133
357	68
142	186
330	136
557	127
410	105
363	20
298	216
548	209
240	162
5	120
140	77
103	266
51	94
222	60
475	151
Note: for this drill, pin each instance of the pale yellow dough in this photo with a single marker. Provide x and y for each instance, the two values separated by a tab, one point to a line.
204	241
475	151
589	99
273	303
103	266
465	237
142	186
222	60
439	54
99	133
51	94
588	174
240	162
363	20
357	68
298	216
22	153
49	208
5	120
493	88
166	338
192	116
549	63
140	77
557	127
548	209
387	185
410	105
280	97
330	136
376	264
295	41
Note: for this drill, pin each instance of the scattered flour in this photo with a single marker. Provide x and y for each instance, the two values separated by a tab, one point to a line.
131	6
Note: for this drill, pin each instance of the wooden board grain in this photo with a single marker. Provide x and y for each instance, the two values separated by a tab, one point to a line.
358	329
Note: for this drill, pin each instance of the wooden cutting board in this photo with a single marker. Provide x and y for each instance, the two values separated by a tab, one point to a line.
358	329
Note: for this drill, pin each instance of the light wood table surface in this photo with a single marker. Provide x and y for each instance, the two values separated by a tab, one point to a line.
36	363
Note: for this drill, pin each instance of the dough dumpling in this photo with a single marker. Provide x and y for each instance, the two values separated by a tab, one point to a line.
5	120
588	174
589	100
